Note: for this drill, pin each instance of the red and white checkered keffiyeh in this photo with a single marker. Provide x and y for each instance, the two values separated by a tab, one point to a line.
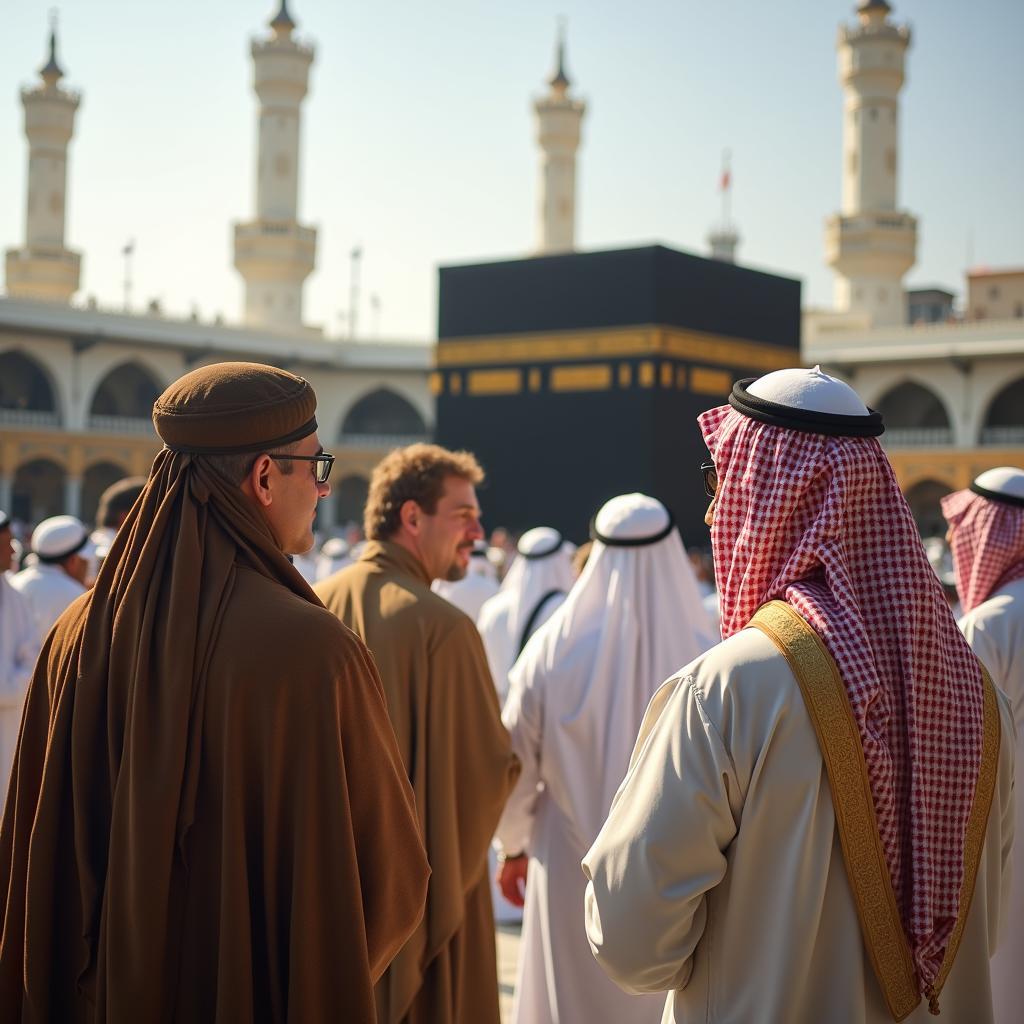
987	544
819	522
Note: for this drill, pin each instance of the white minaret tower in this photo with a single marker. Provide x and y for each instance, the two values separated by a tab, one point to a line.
871	244
45	268
558	132
274	253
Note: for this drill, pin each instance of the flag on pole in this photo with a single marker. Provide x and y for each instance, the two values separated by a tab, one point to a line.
726	179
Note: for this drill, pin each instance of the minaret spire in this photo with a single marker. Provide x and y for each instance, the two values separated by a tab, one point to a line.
51	72
44	268
558	132
559	81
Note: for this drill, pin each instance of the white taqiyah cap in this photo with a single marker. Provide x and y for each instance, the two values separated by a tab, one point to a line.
56	538
335	547
631	520
812	390
5	519
539	542
1004	483
807	400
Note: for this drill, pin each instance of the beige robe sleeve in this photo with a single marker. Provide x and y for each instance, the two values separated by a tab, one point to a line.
661	849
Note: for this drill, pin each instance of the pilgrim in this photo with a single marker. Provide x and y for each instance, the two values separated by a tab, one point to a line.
18	649
479	584
817	815
422	520
986	533
209	819
576	700
63	553
535	585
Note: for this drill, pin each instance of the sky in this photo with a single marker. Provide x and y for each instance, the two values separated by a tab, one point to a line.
418	138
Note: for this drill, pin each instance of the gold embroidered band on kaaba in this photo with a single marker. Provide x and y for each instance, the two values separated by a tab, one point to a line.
839	739
613	343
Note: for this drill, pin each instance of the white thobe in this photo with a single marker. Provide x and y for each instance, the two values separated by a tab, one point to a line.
995	631
47	590
558	980
499	623
19	646
469	593
719	876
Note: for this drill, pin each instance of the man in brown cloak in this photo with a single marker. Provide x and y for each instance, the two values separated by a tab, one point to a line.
422	519
209	819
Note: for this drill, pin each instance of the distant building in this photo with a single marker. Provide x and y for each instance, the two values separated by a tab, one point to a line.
950	388
77	389
77	384
995	294
929	305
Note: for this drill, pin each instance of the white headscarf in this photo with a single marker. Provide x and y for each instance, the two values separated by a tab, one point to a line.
543	565
634	617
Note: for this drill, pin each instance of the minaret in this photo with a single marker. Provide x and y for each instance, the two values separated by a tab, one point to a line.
871	244
724	238
45	268
558	132
274	253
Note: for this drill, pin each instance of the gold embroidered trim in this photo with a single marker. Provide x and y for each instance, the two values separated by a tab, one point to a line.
839	739
977	823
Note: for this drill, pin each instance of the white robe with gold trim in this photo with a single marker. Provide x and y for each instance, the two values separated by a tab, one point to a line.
719	877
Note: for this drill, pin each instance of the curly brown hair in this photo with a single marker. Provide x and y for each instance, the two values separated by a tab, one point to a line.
414	473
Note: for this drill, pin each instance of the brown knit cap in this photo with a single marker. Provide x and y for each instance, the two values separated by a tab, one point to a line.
234	407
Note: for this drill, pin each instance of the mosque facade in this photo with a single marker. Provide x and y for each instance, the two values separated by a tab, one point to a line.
949	384
77	383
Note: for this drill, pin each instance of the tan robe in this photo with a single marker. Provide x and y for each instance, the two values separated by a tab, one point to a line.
300	876
719	876
445	713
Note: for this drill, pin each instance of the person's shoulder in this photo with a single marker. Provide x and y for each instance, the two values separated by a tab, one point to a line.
268	608
744	657
745	671
339	582
1006	603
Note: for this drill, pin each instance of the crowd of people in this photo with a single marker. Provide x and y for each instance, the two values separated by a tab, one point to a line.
251	782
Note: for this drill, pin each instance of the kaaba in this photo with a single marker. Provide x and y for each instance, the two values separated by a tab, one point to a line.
577	377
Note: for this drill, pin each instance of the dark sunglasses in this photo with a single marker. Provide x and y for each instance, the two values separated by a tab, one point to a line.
322	464
710	475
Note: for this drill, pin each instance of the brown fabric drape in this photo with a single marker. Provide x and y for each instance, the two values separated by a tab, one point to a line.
445	712
208	817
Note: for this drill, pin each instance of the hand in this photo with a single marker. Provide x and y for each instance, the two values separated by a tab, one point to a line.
512	879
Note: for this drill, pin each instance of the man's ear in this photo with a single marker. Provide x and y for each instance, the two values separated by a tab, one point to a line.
257	483
411	515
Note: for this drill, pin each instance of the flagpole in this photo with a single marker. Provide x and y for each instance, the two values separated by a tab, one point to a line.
726	189
353	291
126	252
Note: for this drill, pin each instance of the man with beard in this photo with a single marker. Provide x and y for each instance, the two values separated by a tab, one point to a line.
816	821
422	519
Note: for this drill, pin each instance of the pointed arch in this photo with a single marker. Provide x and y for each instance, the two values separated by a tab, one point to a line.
123	399
1004	417
383	416
27	394
913	414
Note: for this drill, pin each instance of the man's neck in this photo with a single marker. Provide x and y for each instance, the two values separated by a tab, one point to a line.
403	540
